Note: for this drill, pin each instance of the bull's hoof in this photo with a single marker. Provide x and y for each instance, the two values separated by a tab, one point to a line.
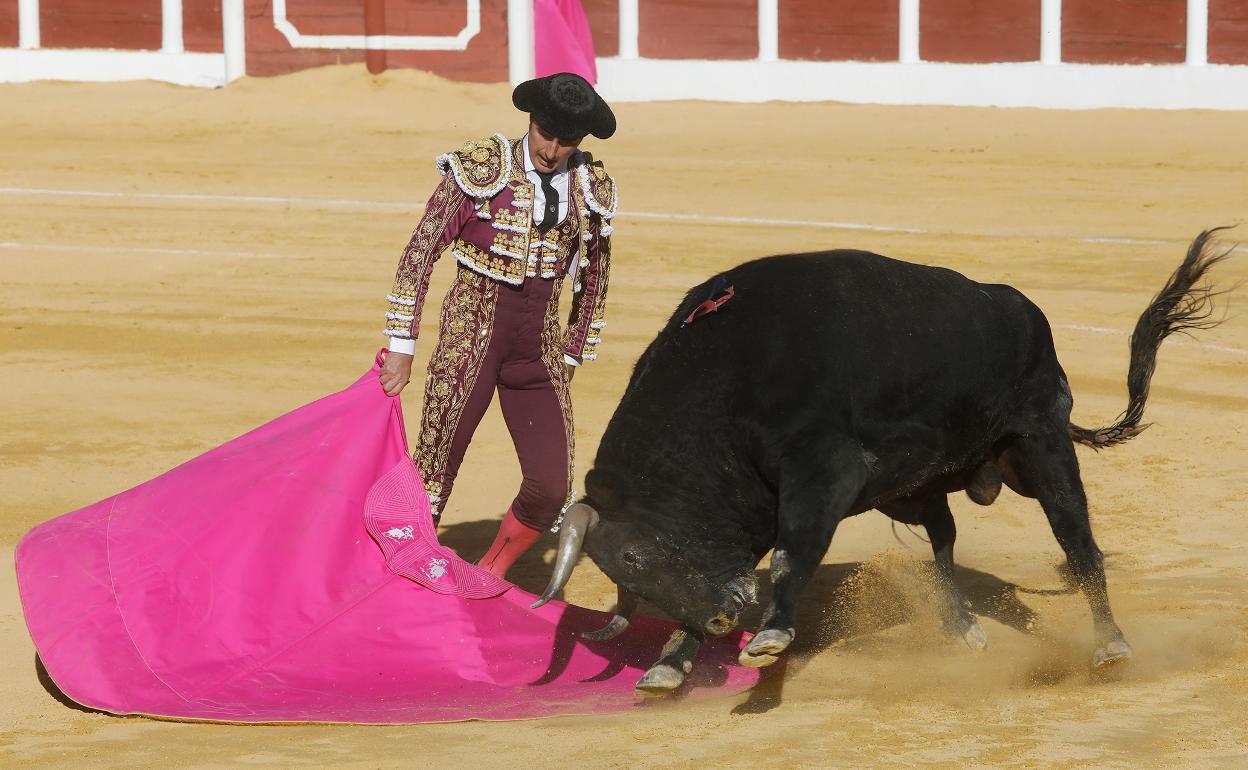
765	648
1111	653
659	681
975	636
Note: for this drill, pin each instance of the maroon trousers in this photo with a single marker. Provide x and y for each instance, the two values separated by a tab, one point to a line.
496	336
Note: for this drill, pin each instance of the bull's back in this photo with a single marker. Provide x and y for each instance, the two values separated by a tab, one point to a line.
860	322
897	357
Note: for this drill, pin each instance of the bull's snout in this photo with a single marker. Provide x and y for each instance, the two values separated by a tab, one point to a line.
721	623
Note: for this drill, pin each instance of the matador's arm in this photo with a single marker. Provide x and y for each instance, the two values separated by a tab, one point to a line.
589	299
448	210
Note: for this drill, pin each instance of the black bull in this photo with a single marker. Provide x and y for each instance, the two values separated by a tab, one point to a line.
833	383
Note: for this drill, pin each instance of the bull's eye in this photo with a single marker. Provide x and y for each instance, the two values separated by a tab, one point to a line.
630	557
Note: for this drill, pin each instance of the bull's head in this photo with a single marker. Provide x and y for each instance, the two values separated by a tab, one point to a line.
642	564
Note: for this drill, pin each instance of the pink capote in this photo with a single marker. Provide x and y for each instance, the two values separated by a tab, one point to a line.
562	40
293	574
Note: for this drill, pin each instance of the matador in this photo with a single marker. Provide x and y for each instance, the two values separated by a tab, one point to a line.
521	217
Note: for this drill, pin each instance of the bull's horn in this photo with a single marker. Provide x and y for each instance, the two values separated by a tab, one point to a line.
625	605
577	523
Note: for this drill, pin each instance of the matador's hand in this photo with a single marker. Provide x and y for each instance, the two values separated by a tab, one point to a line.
396	372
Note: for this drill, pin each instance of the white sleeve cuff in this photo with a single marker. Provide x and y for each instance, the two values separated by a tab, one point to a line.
403	345
567	359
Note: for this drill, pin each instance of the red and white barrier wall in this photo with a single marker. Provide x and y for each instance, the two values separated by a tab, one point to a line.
1046	53
1042	53
194	41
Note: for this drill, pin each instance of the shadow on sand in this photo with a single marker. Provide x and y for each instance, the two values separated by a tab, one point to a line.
471	539
856	599
842	601
45	681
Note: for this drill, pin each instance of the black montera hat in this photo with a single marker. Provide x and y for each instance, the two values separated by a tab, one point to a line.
565	105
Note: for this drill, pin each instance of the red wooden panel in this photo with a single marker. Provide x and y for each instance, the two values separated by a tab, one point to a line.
326	17
403	17
485	60
426	17
604	25
8	24
126	24
201	25
698	29
1228	31
838	30
1124	31
979	30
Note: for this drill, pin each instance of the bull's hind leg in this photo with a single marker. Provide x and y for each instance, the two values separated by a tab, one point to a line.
1049	470
814	497
933	513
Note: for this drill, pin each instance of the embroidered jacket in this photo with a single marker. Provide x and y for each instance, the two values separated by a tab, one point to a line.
483	210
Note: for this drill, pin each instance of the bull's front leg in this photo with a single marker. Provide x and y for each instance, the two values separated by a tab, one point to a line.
959	621
675	662
813	500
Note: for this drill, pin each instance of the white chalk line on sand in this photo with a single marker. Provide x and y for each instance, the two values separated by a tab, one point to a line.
267	200
1238	352
334	203
14	246
710	219
350	203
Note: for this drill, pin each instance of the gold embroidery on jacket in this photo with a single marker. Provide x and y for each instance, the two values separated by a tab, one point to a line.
517	250
481	167
586	321
602	194
512	220
551	253
508	244
522	195
517	162
466	328
496	266
597	319
411	280
552	357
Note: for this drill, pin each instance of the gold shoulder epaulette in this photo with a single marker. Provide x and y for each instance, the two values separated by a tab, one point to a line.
598	187
481	167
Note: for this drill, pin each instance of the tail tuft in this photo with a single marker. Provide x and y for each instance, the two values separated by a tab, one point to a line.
1184	304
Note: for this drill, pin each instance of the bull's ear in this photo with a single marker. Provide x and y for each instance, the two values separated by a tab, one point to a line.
602	481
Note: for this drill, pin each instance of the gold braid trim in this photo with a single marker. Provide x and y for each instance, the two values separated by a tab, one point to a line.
481	167
585	323
598	187
597	318
467	327
499	267
411	279
552	357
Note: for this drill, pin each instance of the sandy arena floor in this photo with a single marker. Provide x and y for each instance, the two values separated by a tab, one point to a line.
142	327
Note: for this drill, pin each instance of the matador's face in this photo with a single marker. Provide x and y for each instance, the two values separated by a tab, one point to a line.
547	151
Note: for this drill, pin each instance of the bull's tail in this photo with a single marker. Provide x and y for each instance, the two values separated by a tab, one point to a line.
1180	306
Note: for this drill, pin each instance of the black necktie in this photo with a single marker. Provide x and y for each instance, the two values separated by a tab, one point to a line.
551	215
